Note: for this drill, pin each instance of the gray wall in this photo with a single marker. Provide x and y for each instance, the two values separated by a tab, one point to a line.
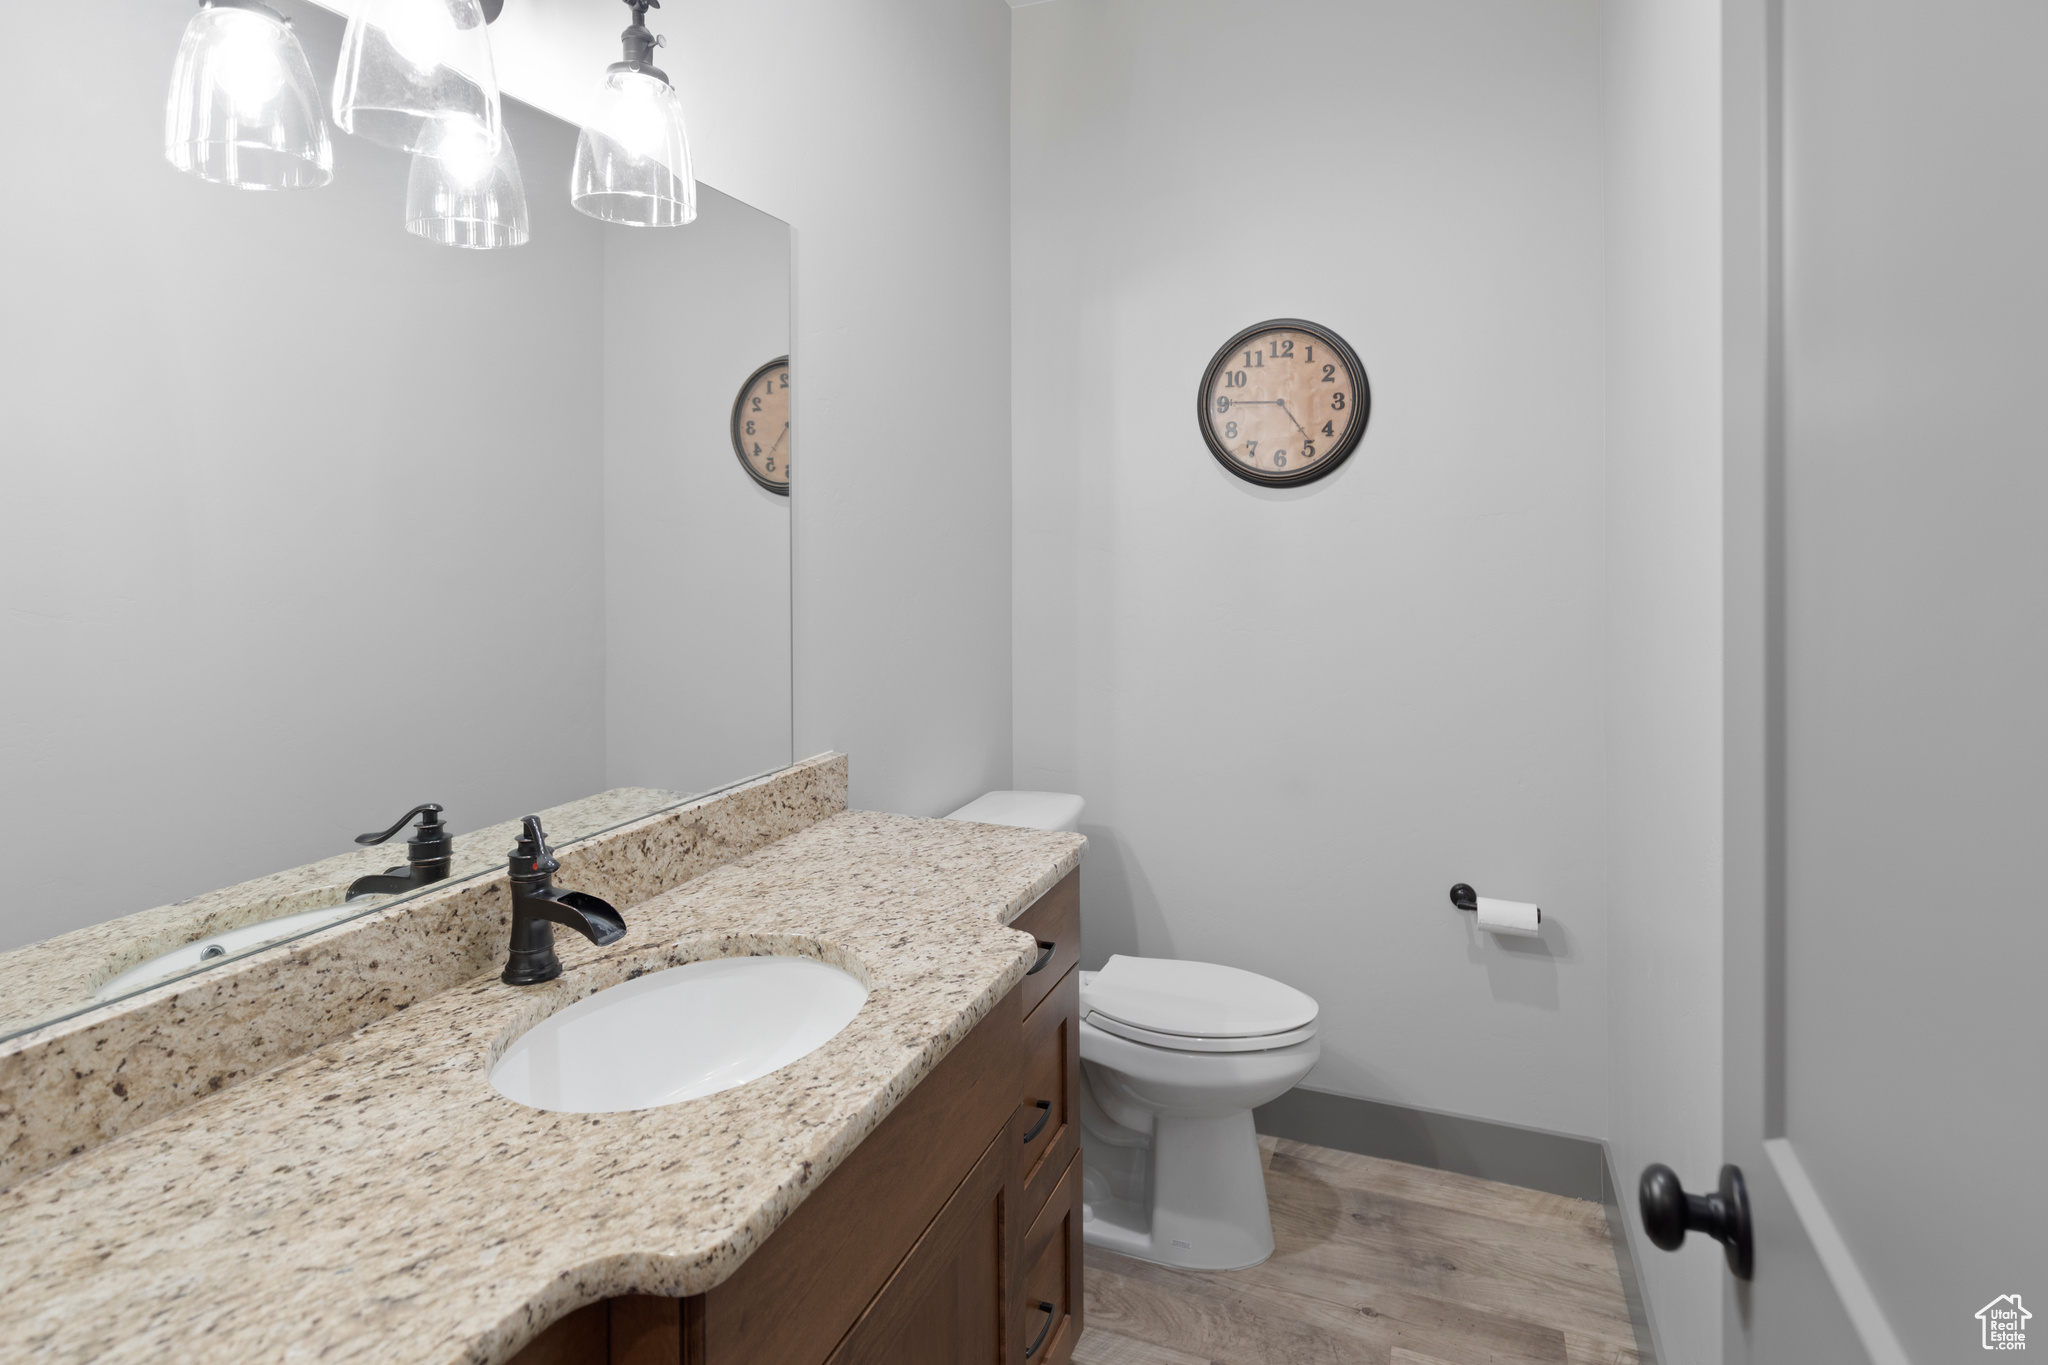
879	132
1663	679
199	689
696	553
1299	716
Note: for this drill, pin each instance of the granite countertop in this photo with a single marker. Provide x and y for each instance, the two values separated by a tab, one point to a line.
375	1199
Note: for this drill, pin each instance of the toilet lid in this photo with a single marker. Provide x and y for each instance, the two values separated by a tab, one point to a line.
1026	810
1193	999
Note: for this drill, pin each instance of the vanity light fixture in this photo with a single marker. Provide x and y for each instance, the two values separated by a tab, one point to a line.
467	197
417	76
632	157
243	109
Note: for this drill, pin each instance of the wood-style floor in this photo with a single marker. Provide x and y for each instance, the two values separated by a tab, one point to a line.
1378	1263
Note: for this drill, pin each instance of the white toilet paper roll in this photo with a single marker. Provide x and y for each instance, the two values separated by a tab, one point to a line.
1510	917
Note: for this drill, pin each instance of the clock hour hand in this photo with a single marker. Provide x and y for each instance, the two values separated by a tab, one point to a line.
778	440
1290	416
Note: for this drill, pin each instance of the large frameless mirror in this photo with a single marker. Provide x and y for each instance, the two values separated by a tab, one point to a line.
316	521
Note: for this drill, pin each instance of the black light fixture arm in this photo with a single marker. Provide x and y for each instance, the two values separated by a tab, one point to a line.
253	6
640	42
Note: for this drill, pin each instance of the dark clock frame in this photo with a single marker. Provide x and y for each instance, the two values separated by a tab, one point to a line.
1361	390
739	445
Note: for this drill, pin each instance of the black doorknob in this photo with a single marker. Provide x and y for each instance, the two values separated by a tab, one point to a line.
1669	1213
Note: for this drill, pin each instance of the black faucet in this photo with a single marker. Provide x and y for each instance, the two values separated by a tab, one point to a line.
538	906
429	854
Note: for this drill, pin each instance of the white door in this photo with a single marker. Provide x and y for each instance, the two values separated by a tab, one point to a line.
1886	1077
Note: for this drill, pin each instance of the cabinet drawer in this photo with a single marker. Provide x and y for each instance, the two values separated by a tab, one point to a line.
1049	1311
1054	919
1045	1131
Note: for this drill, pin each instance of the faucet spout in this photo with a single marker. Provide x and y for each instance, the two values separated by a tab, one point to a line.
395	882
579	910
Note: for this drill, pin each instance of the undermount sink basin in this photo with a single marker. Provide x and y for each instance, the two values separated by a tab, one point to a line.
678	1034
191	956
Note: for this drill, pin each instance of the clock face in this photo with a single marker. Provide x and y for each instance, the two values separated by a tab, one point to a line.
760	426
1284	402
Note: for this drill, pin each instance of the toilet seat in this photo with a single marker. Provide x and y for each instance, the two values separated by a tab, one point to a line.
1195	1006
1181	1042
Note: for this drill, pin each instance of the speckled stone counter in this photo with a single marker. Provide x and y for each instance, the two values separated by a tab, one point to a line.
67	1087
376	1200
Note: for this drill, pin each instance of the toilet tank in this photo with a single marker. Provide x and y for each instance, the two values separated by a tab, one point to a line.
1027	810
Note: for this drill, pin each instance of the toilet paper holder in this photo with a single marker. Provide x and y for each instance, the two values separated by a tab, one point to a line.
1465	898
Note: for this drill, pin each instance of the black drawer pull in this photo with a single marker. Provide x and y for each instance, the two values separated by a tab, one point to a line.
1045	952
1044	1117
1051	1313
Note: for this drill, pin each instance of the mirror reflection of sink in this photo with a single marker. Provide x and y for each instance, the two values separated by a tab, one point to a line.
191	956
678	1034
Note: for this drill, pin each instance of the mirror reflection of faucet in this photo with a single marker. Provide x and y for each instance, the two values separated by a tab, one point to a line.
537	906
429	854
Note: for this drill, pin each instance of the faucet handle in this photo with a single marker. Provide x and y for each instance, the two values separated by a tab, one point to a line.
531	855
430	824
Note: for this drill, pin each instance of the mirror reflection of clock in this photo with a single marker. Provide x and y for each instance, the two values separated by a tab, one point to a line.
760	426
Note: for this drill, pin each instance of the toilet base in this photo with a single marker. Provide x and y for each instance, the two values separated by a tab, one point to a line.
1208	1197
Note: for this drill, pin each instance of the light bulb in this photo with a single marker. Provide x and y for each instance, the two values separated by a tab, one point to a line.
467	153
471	198
242	62
421	32
638	121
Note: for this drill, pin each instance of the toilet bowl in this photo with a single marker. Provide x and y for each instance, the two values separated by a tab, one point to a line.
1174	1058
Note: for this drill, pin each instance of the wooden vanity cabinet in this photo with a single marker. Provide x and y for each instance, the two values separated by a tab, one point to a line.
936	1242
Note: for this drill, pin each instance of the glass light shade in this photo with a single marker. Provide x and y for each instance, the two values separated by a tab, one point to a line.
417	76
468	199
632	159
243	109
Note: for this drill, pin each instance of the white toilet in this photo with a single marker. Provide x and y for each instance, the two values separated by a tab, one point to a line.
1174	1057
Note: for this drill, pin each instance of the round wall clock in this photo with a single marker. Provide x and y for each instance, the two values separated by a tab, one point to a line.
1283	402
760	426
